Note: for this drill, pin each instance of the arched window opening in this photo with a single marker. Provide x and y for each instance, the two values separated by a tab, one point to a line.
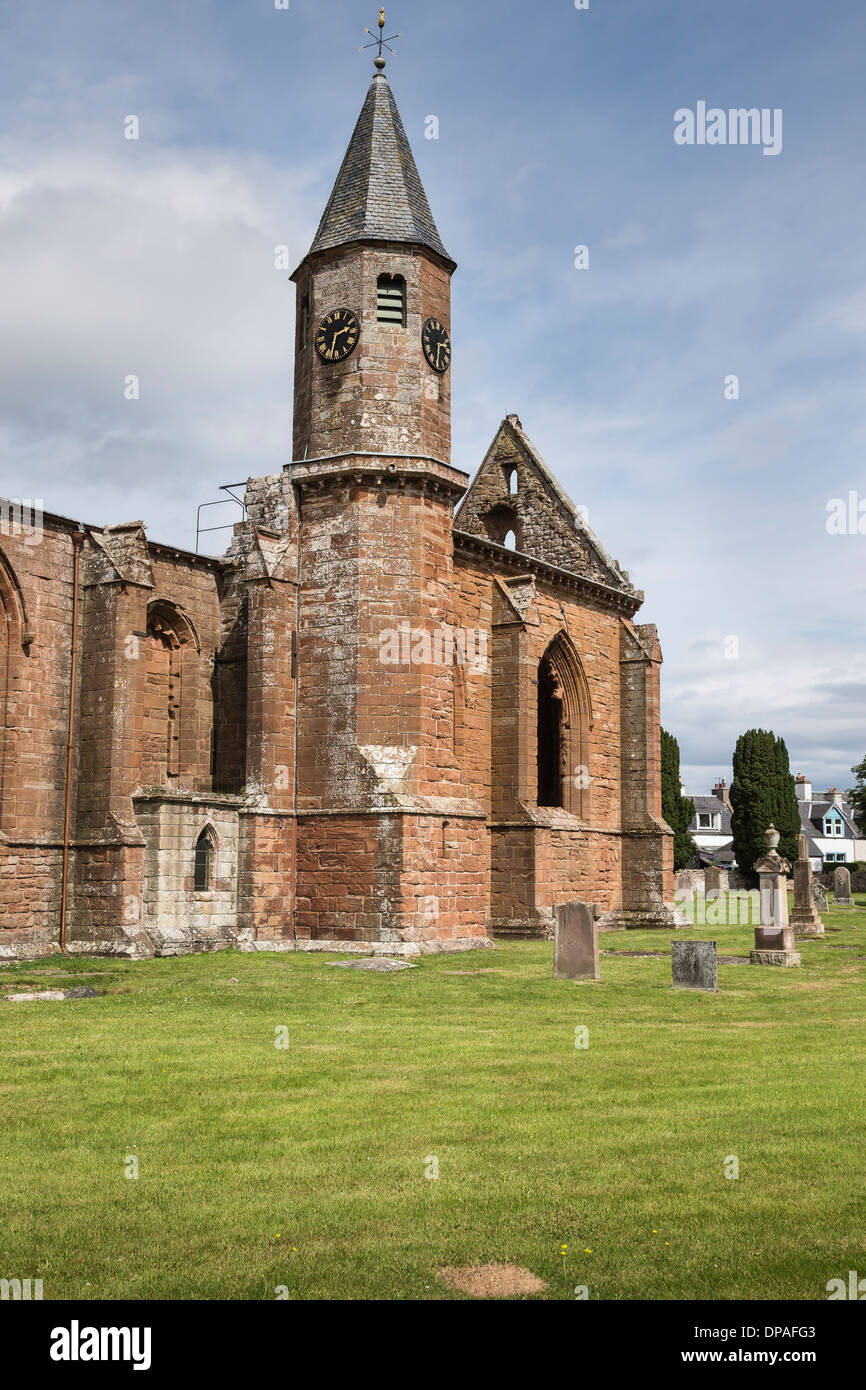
512	481
14	639
169	634
510	541
204	857
5	648
550	751
564	725
499	522
391	300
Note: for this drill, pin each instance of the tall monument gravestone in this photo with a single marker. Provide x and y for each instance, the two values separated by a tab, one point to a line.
805	918
774	938
842	887
576	942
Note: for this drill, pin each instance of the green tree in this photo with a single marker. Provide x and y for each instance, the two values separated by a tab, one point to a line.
762	793
678	810
857	796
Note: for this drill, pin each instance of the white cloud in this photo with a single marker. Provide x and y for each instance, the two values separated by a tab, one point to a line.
158	264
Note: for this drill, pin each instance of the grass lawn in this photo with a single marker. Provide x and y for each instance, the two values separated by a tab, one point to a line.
261	1167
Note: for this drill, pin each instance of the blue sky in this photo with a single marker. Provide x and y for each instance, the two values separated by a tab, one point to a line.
156	257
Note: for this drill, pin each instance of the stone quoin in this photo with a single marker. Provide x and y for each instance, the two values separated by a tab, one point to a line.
203	751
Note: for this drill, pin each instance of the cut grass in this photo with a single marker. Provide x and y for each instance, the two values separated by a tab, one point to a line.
304	1168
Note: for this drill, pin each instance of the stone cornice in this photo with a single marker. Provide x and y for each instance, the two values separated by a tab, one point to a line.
396	470
616	599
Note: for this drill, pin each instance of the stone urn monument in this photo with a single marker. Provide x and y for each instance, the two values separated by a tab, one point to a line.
774	938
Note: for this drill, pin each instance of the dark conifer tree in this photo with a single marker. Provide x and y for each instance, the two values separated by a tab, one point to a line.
678	810
762	793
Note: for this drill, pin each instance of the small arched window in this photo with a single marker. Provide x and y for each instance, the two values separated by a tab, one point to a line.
512	482
204	856
510	541
391	300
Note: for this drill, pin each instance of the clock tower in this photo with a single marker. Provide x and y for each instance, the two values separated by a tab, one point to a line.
375	492
373	347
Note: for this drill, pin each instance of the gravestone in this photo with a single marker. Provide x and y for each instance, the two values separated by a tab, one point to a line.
575	951
842	887
774	938
819	896
694	965
379	965
712	880
805	918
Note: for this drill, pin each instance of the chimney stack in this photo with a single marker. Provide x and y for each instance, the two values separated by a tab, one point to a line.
722	791
803	787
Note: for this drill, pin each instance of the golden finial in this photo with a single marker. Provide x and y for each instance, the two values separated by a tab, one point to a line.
380	42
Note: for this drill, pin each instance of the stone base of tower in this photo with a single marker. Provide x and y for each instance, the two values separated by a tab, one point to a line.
397	881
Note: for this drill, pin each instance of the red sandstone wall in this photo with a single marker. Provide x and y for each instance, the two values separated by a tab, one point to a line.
36	597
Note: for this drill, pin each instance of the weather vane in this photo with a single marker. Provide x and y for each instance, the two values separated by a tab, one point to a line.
380	43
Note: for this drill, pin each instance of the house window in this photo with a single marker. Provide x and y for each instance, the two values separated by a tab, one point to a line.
204	853
391	300
707	821
833	827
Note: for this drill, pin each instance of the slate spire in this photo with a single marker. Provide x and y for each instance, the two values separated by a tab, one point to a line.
378	195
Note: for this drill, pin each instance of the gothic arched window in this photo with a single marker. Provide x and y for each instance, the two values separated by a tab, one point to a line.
391	300
564	724
14	639
170	636
204	857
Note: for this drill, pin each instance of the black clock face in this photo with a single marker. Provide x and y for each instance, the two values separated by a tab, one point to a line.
337	335
437	345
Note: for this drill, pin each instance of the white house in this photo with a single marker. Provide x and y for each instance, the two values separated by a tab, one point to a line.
827	821
711	827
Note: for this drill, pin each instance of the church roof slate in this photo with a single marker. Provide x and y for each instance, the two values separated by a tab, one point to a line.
378	195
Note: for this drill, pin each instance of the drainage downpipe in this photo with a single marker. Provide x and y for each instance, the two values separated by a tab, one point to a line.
77	542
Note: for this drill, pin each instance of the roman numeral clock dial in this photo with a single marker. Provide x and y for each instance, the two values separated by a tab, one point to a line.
437	345
337	335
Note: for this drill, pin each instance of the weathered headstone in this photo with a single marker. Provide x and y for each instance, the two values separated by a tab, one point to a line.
819	896
774	938
379	965
694	965
575	952
712	880
805	918
842	887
